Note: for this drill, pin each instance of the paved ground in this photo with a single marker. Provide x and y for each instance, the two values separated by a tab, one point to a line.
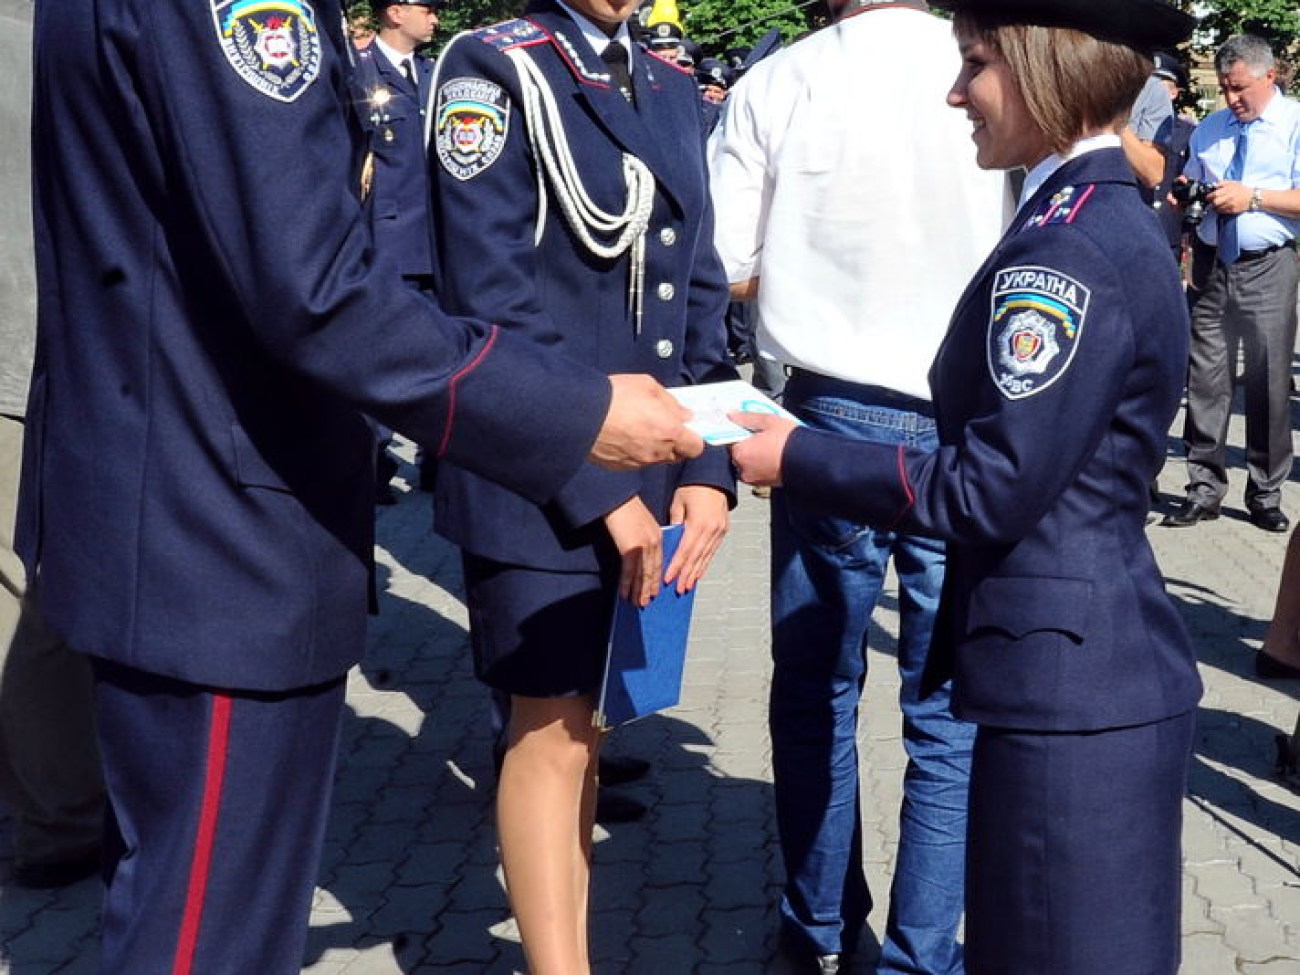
410	883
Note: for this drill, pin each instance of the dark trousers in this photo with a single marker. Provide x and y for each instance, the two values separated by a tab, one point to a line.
219	802
1251	303
1074	851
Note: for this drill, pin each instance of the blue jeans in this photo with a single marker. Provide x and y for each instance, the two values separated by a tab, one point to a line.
827	575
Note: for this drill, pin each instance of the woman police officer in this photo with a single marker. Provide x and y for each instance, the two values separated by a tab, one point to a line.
1053	392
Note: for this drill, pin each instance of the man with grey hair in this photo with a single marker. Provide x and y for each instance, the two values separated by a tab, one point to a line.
1244	278
49	765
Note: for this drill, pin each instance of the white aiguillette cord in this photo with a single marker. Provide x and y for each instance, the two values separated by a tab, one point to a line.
625	231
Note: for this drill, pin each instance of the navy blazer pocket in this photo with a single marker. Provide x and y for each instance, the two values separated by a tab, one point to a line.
251	468
1021	606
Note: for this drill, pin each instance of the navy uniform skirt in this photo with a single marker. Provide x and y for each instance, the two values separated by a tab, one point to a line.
1074	858
538	632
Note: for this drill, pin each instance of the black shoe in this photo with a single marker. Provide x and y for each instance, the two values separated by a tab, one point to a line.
1270	668
1189	513
1270	519
615	770
611	807
63	873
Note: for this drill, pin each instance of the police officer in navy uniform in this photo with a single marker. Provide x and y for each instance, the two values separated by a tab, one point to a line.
196	506
1053	392
390	82
570	199
391	89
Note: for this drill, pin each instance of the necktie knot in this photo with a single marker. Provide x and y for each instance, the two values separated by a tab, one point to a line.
616	60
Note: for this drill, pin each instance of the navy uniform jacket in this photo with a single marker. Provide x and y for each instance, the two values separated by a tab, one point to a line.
392	111
1053	393
555	292
212	323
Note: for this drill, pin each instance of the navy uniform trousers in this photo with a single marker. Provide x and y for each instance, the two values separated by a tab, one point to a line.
211	788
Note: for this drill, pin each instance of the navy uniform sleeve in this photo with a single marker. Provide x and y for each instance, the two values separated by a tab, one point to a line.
264	157
1039	415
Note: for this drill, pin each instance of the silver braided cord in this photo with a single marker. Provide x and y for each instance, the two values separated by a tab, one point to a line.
607	235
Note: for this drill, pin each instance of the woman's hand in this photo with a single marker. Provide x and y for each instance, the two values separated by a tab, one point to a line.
703	511
759	457
639	541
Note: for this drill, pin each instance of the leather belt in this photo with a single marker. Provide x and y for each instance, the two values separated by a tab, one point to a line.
1265	251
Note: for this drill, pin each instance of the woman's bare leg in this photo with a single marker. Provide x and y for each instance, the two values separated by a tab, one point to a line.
545	804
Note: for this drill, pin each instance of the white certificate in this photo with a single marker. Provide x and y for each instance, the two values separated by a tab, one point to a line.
711	402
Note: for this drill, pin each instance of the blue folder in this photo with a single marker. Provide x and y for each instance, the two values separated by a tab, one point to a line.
647	651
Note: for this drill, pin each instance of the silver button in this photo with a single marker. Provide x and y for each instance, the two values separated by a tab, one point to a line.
666	291
668	236
664	348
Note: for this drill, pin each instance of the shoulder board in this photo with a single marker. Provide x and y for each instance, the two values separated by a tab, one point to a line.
1064	206
510	34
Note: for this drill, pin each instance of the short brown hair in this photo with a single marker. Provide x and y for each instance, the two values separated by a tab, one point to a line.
1072	83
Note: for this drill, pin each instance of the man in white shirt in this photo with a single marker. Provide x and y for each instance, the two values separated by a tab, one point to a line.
850	209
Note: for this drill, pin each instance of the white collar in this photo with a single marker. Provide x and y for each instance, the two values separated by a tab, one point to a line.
597	39
1043	171
394	55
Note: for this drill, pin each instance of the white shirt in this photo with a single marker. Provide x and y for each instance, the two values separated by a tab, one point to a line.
395	57
844	181
597	39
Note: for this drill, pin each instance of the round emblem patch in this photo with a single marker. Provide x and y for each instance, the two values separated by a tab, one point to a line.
272	44
1037	317
472	120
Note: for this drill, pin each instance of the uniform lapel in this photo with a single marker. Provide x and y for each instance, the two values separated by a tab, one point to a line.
645	130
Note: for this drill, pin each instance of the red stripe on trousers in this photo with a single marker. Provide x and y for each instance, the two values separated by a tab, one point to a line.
200	866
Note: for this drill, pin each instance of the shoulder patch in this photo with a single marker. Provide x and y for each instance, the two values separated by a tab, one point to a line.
510	33
472	120
1034	327
1063	207
273	45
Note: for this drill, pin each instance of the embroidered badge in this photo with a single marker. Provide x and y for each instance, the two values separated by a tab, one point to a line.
1033	333
272	44
472	120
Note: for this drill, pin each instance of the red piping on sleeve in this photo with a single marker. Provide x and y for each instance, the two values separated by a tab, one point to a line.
451	387
205	839
907	488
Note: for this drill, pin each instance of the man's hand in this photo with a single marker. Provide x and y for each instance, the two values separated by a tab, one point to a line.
644	426
759	457
1230	198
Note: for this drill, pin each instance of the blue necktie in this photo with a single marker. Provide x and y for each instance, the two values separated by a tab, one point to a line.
1229	231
